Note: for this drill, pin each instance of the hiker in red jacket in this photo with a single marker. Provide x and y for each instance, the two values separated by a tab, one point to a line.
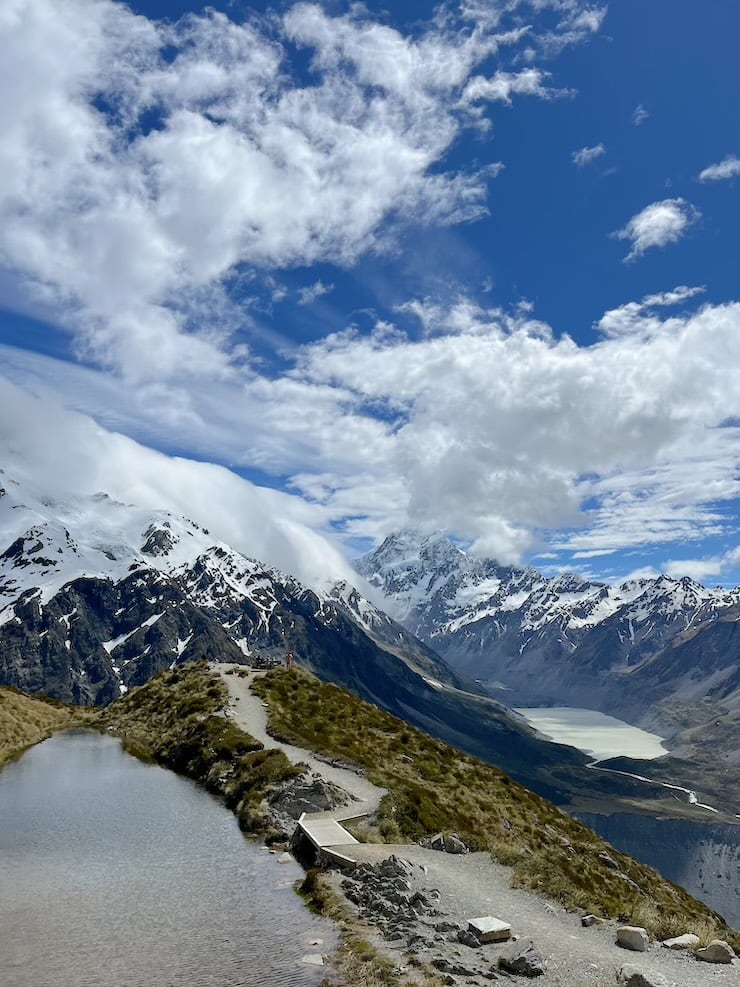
289	659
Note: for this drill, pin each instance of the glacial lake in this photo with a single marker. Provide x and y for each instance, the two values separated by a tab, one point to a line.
592	732
118	873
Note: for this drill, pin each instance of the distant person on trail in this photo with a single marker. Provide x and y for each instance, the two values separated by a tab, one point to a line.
289	659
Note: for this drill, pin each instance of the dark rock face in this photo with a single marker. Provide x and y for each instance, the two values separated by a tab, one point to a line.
94	636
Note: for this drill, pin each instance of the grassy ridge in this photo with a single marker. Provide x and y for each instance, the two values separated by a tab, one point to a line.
174	720
435	787
25	720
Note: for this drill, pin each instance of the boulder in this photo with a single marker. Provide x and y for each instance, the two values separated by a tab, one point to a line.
489	929
633	937
686	941
436	842
453	844
632	977
718	951
522	958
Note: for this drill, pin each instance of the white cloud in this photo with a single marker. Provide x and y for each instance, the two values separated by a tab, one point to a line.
503	85
697	569
703	569
586	155
657	225
636	316
65	452
487	425
144	162
639	115
729	167
308	294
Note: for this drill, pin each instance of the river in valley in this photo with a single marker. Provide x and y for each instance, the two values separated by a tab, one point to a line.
115	873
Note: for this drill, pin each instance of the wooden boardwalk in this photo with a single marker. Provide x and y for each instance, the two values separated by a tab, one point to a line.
325	832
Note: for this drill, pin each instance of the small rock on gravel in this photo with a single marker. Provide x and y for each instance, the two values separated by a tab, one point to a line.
718	951
633	937
588	920
632	977
467	938
687	941
522	958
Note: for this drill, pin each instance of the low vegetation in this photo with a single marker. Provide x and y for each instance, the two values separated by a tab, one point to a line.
434	787
25	720
175	721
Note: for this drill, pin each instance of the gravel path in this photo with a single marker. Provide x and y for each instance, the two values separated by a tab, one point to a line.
249	713
472	885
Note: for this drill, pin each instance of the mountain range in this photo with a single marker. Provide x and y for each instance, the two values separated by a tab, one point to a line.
97	596
539	641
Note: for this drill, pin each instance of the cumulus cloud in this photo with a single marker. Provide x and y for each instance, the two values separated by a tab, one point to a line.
586	155
657	225
637	317
486	425
729	167
146	165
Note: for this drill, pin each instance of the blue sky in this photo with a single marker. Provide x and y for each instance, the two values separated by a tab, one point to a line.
471	268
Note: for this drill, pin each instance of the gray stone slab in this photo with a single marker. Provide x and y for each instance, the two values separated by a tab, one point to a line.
490	929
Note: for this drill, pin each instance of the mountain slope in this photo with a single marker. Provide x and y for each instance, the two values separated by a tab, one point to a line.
98	596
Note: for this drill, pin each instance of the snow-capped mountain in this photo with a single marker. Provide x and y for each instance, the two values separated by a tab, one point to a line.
96	596
562	640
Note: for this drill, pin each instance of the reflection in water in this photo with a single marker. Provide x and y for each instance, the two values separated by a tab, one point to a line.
118	874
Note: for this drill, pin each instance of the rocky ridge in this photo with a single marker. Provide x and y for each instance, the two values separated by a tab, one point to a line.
96	596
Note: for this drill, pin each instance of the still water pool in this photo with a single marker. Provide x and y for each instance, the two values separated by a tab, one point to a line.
114	873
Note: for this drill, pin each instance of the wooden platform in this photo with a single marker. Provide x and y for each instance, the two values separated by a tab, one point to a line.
325	833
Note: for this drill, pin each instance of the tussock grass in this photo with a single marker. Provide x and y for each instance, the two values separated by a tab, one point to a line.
25	720
434	787
175	720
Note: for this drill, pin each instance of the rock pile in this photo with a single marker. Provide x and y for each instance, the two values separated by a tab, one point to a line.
306	793
411	920
383	895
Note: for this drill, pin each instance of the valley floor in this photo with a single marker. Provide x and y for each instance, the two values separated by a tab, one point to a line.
473	885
